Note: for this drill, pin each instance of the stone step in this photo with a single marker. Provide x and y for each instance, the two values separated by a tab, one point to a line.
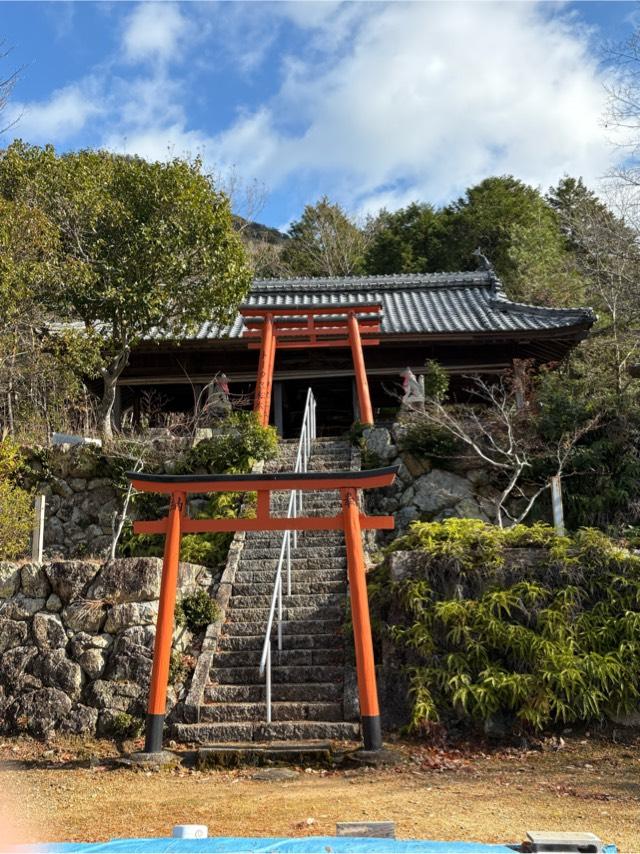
307	641
307	657
258	588
220	712
305	538
257	731
255	754
279	675
297	563
297	692
258	615
272	552
291	627
250	575
295	600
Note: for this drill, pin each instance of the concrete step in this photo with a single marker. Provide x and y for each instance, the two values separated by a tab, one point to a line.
307	657
295	600
317	692
279	675
303	613
205	733
256	754
307	641
220	712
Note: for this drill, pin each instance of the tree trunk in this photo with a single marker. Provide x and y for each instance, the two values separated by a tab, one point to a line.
110	376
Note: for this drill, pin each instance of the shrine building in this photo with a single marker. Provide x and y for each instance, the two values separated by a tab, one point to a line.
318	326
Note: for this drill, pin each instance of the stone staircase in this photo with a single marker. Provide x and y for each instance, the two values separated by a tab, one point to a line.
308	674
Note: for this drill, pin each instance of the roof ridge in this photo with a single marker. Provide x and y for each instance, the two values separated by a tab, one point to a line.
462	278
502	301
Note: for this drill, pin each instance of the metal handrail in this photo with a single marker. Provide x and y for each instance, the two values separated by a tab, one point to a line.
307	436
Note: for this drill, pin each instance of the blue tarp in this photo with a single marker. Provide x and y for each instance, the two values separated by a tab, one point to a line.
268	845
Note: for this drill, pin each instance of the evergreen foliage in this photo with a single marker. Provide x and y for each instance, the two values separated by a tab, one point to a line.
325	241
16	504
135	246
196	611
237	444
537	642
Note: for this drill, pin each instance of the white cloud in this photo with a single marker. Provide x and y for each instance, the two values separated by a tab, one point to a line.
64	114
373	103
429	98
154	31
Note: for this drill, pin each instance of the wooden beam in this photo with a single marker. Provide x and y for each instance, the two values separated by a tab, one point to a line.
262	523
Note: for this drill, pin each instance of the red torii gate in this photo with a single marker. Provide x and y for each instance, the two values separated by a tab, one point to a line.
350	520
309	326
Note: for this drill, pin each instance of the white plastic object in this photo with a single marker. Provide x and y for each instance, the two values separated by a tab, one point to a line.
190	831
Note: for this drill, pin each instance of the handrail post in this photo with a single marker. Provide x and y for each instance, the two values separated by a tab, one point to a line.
307	435
268	684
280	612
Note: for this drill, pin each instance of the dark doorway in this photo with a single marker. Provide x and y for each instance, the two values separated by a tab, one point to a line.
334	412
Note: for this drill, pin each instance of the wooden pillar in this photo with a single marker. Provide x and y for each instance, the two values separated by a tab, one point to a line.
363	642
278	409
264	365
164	627
364	399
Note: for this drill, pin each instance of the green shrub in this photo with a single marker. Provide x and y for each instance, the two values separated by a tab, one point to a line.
16	504
215	456
125	725
196	611
554	642
234	447
436	380
426	440
180	666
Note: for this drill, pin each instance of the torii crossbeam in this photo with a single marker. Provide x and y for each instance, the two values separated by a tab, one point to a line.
304	327
350	520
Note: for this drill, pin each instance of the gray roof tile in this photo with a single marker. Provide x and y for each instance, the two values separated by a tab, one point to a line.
427	303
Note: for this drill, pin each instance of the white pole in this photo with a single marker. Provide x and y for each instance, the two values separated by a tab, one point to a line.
269	684
556	503
280	611
288	563
37	540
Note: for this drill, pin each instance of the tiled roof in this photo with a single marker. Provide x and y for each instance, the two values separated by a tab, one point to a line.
424	303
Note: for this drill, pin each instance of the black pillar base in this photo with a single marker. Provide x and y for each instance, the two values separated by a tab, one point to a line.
371	732
153	734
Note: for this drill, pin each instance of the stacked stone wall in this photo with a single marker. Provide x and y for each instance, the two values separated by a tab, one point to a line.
422	489
76	642
84	489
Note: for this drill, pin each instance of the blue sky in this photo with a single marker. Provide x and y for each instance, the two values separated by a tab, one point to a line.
371	103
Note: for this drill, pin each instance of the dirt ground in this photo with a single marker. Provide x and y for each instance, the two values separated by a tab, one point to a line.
54	792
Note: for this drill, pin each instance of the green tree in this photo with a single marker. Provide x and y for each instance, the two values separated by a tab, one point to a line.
515	228
409	240
146	247
325	241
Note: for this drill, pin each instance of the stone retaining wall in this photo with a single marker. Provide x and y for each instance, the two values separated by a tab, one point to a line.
422	490
84	490
76	641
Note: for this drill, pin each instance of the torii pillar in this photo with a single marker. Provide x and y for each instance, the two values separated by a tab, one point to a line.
262	401
308	327
362	384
